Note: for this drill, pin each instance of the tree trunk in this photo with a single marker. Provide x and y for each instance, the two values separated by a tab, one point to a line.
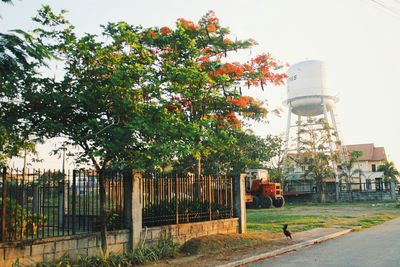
103	212
321	190
197	178
198	167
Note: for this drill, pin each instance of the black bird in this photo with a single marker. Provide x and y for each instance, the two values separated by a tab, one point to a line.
286	231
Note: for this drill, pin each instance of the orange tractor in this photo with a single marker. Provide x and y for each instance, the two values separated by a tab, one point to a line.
260	192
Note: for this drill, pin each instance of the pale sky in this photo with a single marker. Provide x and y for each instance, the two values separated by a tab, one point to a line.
358	39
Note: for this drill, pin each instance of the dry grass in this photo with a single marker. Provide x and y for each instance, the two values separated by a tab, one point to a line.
215	244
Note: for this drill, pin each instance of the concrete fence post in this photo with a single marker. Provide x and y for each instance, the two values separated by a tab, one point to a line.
239	201
393	190
133	206
36	199
61	201
4	205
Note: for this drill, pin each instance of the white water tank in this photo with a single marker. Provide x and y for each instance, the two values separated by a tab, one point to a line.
307	87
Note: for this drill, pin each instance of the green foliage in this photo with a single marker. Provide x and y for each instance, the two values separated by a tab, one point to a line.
141	97
21	54
348	168
315	153
390	172
50	178
113	221
165	248
240	151
21	222
190	210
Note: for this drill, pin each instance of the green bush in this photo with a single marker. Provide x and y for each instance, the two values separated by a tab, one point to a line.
21	222
165	248
190	211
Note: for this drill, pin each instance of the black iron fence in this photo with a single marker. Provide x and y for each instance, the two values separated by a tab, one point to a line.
38	203
175	199
365	187
309	186
300	186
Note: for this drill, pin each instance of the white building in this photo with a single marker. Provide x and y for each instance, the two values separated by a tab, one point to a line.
368	163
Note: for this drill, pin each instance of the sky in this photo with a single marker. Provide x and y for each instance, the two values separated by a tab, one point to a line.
358	39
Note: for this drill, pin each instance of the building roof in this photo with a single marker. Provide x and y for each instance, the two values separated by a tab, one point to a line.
370	152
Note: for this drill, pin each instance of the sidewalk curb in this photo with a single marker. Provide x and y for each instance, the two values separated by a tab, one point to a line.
285	249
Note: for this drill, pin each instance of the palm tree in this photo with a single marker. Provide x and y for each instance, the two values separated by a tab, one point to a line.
348	169
390	173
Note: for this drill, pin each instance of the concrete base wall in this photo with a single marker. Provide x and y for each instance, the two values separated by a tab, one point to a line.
183	232
343	196
50	249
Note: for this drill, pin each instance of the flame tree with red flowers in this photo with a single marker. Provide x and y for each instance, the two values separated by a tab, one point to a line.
146	97
203	88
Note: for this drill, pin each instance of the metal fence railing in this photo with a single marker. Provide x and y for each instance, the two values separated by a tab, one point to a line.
175	199
38	203
308	186
365	187
303	186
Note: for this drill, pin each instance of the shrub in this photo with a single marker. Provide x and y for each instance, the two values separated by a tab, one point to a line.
21	222
165	248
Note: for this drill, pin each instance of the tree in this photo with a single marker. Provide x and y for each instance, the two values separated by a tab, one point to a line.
390	172
100	103
277	163
315	154
21	54
139	97
242	151
204	88
348	167
349	171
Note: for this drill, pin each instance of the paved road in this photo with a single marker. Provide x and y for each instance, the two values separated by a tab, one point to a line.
377	246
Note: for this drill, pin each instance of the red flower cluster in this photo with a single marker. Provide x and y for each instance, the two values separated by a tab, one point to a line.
233	120
165	30
204	59
211	28
263	58
230	118
173	108
231	69
212	18
241	102
184	102
152	34
261	66
187	24
227	41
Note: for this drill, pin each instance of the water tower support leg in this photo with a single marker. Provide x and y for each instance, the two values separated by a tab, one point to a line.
287	138
288	130
331	150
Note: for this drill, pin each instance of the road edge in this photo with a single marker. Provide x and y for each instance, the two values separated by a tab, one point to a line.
284	250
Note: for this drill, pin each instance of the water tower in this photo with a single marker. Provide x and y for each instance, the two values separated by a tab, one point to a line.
310	96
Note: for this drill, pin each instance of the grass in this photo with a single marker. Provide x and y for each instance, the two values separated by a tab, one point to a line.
302	217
